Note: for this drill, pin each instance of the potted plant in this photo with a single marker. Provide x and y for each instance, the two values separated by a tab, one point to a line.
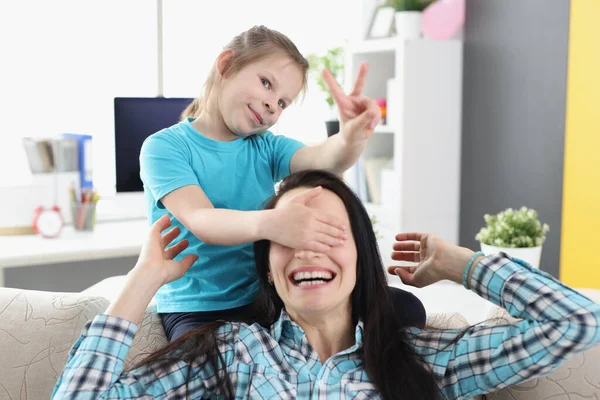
333	60
518	233
408	17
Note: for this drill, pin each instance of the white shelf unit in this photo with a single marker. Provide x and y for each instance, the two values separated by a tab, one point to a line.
422	135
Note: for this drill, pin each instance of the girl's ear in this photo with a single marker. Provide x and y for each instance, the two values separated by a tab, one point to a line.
223	61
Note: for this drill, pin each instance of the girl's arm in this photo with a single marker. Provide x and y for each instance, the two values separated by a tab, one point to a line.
293	225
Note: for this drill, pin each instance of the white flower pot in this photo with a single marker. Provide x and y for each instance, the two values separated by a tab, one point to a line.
408	24
530	255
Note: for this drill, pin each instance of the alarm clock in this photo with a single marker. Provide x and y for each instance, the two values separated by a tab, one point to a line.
47	221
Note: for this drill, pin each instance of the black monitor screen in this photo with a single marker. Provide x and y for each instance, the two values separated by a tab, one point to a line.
136	118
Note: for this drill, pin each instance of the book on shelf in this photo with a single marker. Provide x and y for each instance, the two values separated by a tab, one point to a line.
372	172
51	154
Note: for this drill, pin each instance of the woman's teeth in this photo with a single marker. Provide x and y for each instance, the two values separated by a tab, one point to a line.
312	278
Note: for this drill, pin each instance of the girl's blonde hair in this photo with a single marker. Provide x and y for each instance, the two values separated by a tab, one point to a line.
248	47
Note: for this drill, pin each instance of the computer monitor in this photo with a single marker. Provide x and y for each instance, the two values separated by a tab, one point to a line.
136	118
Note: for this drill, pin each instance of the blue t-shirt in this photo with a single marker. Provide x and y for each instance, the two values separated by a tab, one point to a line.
236	175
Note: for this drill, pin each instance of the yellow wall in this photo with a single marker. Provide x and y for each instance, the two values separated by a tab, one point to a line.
580	242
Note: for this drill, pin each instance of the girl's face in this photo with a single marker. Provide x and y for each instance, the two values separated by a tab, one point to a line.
252	100
312	283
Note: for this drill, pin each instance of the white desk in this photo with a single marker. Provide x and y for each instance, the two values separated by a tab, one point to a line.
108	240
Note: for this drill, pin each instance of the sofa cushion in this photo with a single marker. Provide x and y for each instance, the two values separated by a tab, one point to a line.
37	330
578	378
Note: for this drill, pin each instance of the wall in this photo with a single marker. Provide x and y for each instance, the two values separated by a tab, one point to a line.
580	267
67	277
514	86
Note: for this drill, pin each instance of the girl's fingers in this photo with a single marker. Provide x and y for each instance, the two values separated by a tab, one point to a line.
333	222
336	91
308	194
359	83
332	230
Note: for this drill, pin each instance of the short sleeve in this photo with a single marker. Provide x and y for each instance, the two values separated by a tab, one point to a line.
165	165
283	148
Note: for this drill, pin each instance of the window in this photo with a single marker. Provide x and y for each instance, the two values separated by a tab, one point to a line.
64	63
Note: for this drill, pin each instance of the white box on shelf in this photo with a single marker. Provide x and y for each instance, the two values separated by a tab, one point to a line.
46	189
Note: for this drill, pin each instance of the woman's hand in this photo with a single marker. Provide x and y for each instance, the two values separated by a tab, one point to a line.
358	114
298	226
156	262
436	258
154	268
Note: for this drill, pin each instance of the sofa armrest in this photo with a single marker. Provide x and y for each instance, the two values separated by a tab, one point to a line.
37	330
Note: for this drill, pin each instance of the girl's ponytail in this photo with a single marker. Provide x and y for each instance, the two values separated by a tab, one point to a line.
192	110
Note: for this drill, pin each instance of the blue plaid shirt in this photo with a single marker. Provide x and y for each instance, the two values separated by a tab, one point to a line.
279	363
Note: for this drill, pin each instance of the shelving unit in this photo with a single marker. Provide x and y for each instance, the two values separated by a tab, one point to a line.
422	82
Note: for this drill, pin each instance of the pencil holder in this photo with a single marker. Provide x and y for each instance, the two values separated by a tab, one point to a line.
84	216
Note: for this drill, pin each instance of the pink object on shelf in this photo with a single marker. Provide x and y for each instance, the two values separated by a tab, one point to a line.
381	102
443	19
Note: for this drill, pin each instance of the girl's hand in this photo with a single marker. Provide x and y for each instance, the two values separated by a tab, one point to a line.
156	262
436	258
358	114
298	226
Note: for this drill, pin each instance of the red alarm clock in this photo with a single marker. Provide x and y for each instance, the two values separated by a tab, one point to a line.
47	221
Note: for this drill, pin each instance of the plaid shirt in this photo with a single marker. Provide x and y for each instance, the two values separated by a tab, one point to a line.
280	363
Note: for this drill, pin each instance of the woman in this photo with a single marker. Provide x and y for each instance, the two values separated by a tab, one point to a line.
325	326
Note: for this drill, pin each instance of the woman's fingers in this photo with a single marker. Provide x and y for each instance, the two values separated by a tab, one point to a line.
413	236
407	277
408	256
407	246
168	237
177	248
161	224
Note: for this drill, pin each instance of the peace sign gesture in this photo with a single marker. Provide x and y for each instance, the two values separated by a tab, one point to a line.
358	114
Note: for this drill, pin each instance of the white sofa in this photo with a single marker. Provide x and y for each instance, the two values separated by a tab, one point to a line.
37	330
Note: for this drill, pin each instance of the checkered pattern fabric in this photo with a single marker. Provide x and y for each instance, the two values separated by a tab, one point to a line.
279	363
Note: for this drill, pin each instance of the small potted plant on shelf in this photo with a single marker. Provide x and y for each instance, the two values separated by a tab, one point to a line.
333	60
518	233
408	17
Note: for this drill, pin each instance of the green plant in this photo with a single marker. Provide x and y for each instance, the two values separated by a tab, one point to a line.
513	228
374	224
333	60
409	5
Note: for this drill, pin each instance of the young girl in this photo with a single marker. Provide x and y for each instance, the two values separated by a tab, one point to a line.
213	171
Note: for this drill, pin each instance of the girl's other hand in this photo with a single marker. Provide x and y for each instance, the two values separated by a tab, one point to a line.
358	114
298	226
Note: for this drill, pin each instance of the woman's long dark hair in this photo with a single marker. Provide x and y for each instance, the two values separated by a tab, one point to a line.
389	360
